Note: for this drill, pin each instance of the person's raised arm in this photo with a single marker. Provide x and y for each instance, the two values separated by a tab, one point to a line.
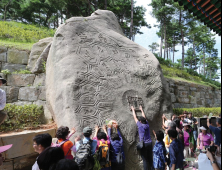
212	160
134	114
109	130
73	131
96	131
143	114
198	143
105	130
208	122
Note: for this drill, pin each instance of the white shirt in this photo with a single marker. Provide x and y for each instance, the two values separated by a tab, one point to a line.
2	99
35	166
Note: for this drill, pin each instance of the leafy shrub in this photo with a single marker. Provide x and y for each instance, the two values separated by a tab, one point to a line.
22	72
22	116
199	112
6	72
20	32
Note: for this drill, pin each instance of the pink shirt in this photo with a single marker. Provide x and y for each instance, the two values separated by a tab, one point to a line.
186	138
205	140
98	142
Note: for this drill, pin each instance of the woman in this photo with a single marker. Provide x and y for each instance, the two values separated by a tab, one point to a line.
144	135
204	139
188	143
62	135
102	137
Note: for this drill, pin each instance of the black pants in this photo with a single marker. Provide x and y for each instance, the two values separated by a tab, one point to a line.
147	156
116	166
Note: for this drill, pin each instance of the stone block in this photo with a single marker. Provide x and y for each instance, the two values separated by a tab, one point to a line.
187	105
17	57
11	93
177	105
193	100
171	90
183	93
13	67
183	100
22	103
20	79
202	94
207	95
193	88
193	93
173	98
208	103
197	95
183	88
22	142
42	93
201	101
3	54
39	80
28	94
218	96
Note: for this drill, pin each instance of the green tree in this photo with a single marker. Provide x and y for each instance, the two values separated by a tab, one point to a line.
154	47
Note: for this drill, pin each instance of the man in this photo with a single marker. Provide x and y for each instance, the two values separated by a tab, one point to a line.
175	151
3	149
216	131
193	124
40	143
3	115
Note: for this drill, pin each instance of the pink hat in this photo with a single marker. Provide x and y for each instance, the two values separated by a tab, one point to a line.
5	148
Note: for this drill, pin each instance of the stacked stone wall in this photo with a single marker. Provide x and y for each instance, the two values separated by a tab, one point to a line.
190	95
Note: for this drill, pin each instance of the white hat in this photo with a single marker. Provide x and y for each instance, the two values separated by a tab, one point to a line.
186	124
202	128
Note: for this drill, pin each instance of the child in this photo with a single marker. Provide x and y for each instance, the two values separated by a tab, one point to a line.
103	139
116	148
159	152
176	151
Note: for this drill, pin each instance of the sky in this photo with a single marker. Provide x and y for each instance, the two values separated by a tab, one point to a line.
149	35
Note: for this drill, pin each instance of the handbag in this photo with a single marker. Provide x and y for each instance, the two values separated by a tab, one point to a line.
140	144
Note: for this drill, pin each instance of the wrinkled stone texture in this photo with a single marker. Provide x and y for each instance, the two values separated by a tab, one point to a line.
17	57
188	95
92	68
36	51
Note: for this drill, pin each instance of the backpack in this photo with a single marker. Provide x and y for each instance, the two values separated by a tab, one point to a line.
84	158
103	155
60	144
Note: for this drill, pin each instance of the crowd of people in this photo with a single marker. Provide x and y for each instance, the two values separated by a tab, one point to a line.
104	150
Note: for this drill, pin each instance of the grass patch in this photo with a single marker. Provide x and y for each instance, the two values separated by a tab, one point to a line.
182	75
199	112
20	32
17	45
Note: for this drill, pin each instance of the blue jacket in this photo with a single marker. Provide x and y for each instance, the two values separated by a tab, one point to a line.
116	146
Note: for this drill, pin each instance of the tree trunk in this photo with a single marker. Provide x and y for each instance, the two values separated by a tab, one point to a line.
96	4
161	43
194	53
5	12
164	38
182	35
204	63
105	4
131	25
169	53
173	47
